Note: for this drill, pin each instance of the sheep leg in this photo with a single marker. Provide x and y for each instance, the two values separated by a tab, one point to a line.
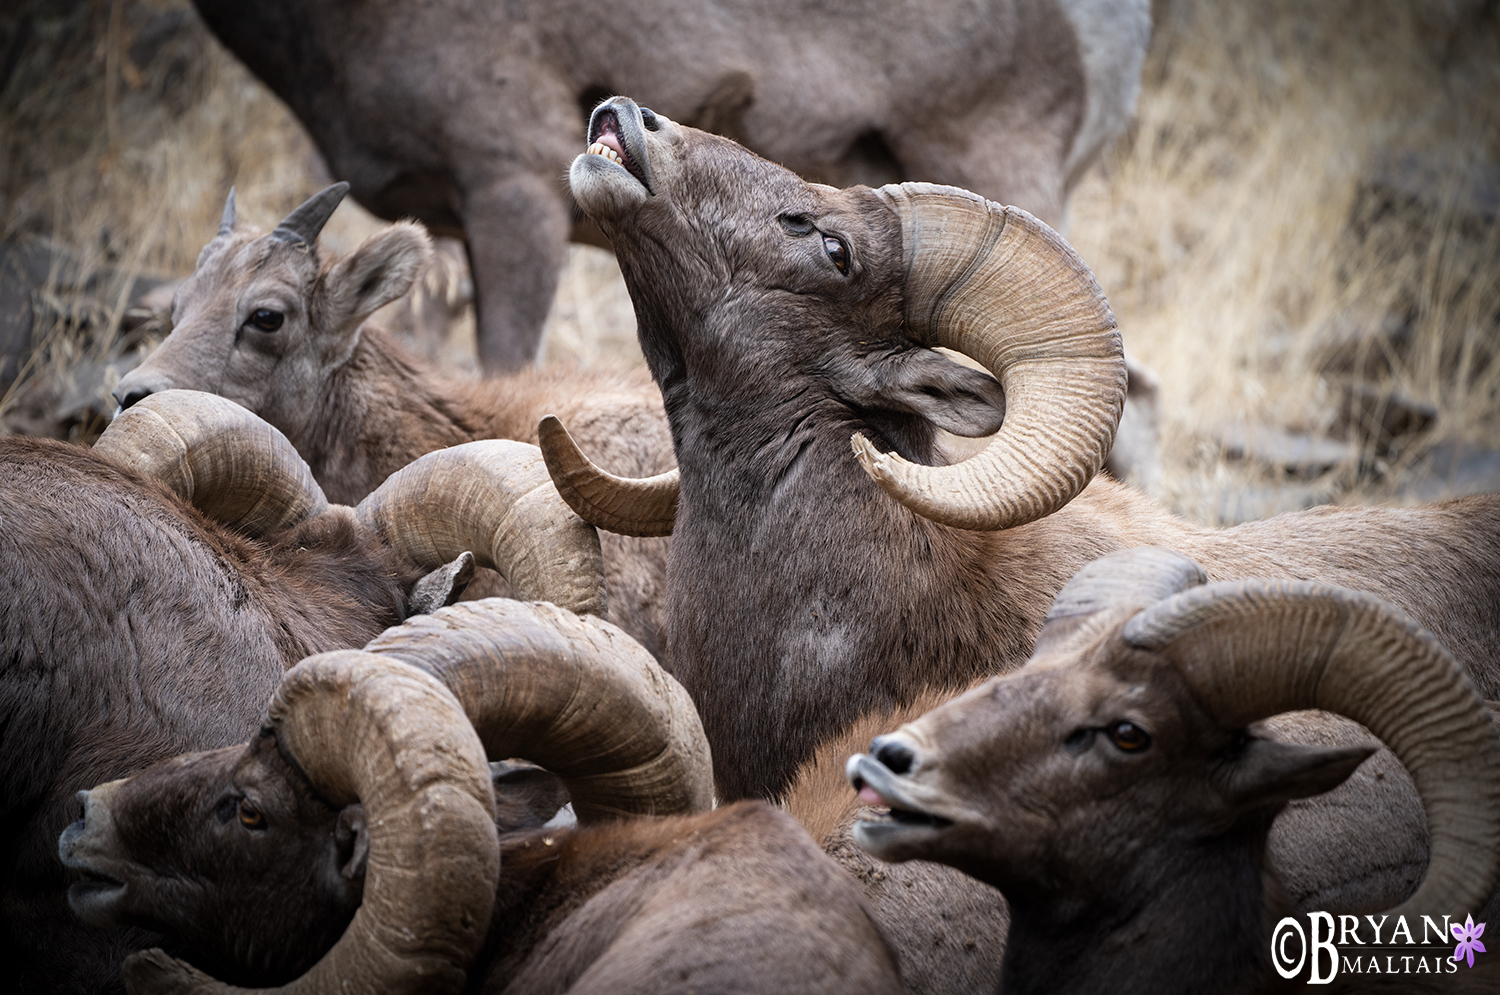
517	231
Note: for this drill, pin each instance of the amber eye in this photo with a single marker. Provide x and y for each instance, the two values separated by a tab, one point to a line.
1129	737
837	252
250	816
267	320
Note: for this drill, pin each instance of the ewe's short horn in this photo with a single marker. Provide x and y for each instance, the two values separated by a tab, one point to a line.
644	507
226	220
999	286
1123	581
370	729
229	464
492	498
1252	649
306	222
573	694
1137	578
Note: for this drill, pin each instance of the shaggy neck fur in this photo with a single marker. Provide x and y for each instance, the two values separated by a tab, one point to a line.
381	410
338	584
851	603
1190	917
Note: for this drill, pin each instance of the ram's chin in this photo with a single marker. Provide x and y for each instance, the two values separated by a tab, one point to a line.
98	901
603	188
885	837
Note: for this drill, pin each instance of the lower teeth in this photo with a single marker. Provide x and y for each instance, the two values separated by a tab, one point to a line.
606	152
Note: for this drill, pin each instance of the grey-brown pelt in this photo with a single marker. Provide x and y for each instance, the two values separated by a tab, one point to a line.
132	629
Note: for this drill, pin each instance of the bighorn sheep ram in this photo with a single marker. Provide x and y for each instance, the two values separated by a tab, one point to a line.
1115	790
270	322
463	116
141	618
352	846
780	318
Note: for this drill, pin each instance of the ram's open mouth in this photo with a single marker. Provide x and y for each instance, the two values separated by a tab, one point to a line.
883	810
896	825
93	881
607	140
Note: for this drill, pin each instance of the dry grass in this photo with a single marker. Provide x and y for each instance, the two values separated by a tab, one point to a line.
1241	233
1238	235
122	139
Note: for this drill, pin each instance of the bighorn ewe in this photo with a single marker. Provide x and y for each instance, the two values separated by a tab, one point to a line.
271	323
1115	789
139	619
464	116
782	318
365	803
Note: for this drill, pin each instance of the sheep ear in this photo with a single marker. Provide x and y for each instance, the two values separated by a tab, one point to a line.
1270	772
378	272
955	398
526	797
352	837
443	586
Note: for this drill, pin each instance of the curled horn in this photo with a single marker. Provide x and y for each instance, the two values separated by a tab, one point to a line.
226	220
997	285
370	729
573	694
643	507
224	460
1251	649
304	224
493	498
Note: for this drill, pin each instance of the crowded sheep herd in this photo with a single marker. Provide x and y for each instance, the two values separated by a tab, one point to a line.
838	647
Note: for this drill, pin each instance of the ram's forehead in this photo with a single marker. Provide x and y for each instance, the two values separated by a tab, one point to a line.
1101	673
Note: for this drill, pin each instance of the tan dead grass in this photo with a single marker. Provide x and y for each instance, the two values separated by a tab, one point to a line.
1222	229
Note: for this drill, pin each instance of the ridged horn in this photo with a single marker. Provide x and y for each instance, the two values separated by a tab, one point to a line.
573	694
224	460
997	285
307	221
632	507
493	498
227	219
370	729
1255	648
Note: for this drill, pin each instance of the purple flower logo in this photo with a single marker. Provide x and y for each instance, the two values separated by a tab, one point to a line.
1468	940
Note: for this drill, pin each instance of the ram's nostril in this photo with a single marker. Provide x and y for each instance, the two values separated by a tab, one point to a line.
894	754
129	397
83	805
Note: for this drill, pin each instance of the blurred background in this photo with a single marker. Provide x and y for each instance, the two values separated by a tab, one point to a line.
1298	235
